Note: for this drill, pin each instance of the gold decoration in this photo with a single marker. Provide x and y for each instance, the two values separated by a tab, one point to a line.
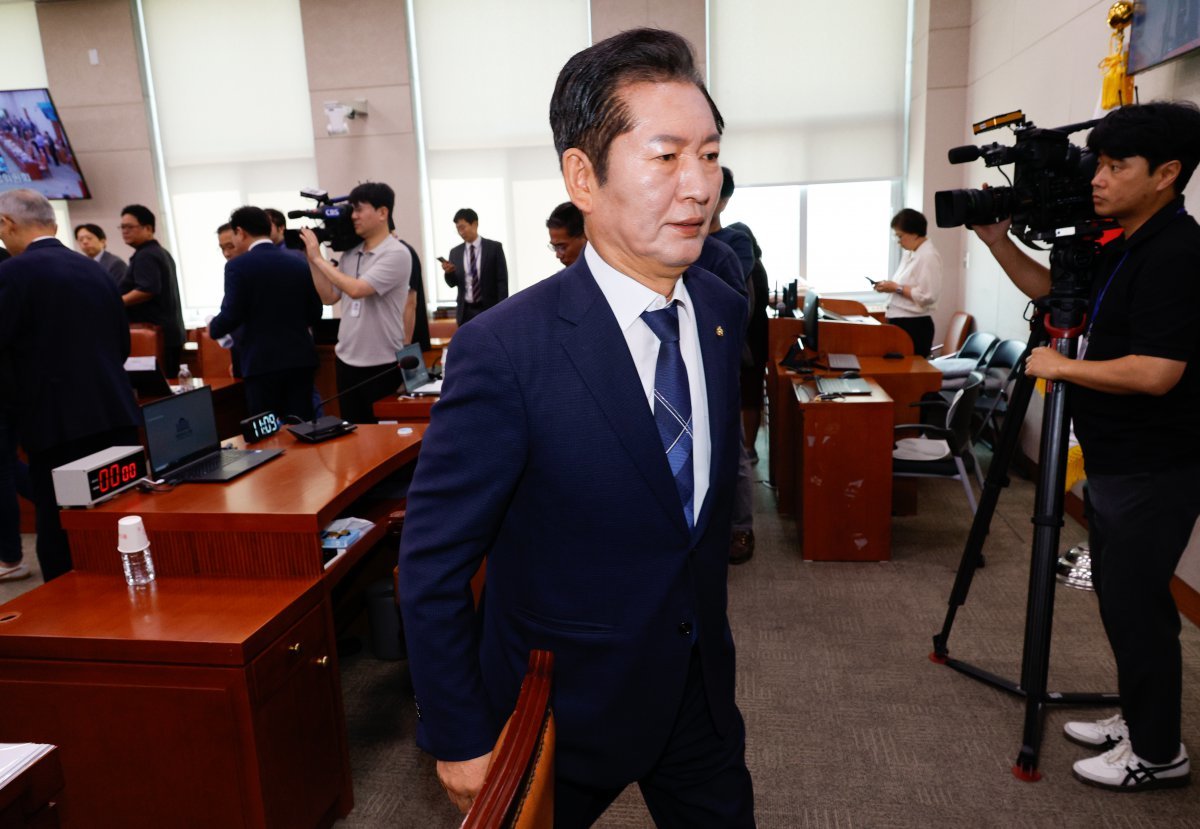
720	331
1117	87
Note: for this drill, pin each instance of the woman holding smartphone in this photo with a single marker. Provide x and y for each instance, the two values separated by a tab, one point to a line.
915	286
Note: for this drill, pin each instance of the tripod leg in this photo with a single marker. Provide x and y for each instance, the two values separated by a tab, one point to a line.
1047	520
997	479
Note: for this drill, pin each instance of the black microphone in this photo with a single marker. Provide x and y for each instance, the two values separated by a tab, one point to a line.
961	155
331	426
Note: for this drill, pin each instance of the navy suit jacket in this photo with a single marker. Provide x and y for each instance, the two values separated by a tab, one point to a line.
543	456
493	274
269	294
65	337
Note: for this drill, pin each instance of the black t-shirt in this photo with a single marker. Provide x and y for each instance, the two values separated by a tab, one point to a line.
151	269
1145	300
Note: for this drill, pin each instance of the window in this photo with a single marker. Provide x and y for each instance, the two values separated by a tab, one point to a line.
829	235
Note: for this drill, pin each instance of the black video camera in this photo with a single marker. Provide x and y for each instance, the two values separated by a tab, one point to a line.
335	226
1051	185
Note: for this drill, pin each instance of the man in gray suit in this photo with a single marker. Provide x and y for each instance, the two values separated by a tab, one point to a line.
92	242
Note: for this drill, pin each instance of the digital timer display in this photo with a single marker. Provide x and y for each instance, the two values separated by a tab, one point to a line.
115	476
260	426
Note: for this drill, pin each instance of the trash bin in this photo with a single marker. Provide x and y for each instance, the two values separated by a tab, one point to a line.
387	639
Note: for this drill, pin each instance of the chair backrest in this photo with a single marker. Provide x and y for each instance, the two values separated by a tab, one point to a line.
977	346
845	307
442	329
1006	354
962	409
518	791
957	332
146	340
214	360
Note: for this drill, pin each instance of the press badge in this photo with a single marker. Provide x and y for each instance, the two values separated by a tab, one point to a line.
356	308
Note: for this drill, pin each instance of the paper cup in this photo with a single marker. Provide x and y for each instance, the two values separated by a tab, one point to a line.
131	535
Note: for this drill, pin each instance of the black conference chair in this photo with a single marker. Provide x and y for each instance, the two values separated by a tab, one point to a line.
943	451
972	356
998	378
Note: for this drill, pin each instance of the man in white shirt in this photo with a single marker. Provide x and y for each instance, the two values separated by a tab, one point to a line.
371	281
917	282
477	268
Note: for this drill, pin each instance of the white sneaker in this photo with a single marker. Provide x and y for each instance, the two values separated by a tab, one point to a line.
14	572
1098	734
1122	770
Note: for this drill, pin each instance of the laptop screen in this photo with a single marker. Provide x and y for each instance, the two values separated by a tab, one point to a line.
416	376
180	429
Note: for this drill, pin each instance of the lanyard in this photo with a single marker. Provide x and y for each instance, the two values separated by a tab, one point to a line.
1103	291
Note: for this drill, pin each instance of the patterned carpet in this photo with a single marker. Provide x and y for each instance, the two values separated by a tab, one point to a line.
849	724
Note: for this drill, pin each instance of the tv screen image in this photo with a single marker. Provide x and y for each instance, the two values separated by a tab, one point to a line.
1162	30
34	150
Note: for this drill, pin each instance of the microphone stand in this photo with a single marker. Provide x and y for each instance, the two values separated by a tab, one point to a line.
331	426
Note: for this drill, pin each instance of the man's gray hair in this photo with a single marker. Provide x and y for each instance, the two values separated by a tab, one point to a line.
27	207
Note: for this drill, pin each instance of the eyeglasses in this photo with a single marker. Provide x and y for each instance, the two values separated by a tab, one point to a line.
128	227
558	247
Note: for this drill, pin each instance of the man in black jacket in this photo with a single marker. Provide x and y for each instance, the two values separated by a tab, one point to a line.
150	289
269	294
64	334
477	268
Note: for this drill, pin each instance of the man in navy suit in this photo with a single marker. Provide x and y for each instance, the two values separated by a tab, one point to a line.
587	445
269	295
64	336
477	268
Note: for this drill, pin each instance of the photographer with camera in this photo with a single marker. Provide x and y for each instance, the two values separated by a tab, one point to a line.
371	280
1134	393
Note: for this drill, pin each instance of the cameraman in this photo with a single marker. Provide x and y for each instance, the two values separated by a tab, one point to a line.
372	281
1133	399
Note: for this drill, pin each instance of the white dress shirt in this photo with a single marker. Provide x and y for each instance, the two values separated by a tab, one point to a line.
628	298
921	270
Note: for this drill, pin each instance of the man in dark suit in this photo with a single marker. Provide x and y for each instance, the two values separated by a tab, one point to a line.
269	294
477	268
587	445
64	335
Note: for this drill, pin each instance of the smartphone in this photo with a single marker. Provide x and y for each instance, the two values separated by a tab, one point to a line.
442	259
872	281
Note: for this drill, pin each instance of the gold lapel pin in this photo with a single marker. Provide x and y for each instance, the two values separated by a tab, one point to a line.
720	331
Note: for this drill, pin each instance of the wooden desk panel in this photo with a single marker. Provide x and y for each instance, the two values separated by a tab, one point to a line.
264	523
404	409
193	702
842	485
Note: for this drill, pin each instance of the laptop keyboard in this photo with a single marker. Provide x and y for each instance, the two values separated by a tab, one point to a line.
834	385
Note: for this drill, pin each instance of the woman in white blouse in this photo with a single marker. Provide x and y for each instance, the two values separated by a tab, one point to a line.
916	283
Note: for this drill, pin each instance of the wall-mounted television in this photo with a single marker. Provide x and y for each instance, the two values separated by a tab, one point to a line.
1162	30
34	150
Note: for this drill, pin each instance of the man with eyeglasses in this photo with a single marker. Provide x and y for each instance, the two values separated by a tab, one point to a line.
150	289
567	236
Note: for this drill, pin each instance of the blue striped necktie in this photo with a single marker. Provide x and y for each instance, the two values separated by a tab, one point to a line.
673	403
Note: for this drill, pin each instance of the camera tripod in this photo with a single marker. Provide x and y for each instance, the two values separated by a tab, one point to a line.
1058	319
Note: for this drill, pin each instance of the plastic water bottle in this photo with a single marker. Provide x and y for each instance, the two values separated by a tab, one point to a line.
134	548
186	381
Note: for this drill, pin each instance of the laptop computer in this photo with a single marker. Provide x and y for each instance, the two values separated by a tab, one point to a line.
181	439
416	377
839	386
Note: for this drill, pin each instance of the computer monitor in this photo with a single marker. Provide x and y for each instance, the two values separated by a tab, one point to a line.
812	313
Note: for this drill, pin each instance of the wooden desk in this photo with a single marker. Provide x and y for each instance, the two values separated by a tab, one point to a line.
193	702
404	409
904	380
842	484
264	523
34	796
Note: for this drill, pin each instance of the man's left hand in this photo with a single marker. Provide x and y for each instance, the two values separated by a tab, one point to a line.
1046	363
886	286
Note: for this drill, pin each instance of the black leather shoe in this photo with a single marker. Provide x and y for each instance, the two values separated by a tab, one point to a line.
741	546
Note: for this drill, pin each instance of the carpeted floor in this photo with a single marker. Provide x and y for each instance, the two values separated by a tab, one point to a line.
849	724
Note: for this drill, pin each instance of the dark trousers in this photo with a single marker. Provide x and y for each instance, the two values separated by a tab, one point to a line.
373	382
921	331
172	357
470	310
700	781
286	392
1139	525
14	479
53	551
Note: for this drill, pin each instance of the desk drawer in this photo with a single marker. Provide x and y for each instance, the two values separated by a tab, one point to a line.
304	643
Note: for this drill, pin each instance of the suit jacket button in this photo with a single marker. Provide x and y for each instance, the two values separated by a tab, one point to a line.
685	628
418	706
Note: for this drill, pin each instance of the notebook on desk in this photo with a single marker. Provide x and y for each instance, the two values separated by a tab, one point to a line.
181	439
843	362
838	386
